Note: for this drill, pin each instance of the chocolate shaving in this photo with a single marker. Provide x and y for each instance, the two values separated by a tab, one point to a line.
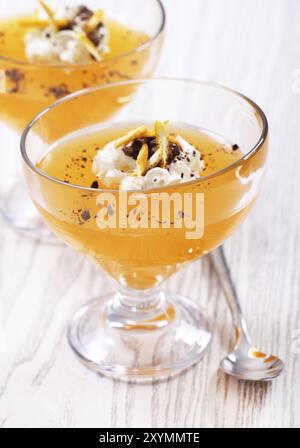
133	148
96	36
76	17
81	14
67	27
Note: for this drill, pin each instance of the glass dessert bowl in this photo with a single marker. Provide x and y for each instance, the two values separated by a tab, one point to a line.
142	198
47	55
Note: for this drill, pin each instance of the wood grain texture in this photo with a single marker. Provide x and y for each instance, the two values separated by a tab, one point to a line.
252	46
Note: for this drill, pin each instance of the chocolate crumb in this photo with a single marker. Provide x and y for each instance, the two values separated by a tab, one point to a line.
15	76
235	147
95	185
118	74
86	215
59	91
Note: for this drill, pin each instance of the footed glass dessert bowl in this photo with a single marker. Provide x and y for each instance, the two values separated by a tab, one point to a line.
162	182
49	49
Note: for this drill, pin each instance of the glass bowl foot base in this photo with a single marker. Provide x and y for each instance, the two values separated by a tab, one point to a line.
18	211
136	354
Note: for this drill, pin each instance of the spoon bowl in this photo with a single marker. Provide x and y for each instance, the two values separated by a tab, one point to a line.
245	362
255	366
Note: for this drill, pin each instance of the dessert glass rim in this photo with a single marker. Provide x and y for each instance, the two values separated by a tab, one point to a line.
258	145
77	65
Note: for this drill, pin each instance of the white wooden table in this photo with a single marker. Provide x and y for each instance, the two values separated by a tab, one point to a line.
252	46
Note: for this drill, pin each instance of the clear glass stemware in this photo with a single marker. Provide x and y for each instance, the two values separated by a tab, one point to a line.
142	332
30	87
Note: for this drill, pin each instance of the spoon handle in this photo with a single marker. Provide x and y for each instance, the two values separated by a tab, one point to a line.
222	269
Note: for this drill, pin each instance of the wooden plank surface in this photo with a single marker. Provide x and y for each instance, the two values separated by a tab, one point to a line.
252	46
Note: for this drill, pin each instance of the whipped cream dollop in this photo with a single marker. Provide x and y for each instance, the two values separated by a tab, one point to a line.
117	166
74	35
